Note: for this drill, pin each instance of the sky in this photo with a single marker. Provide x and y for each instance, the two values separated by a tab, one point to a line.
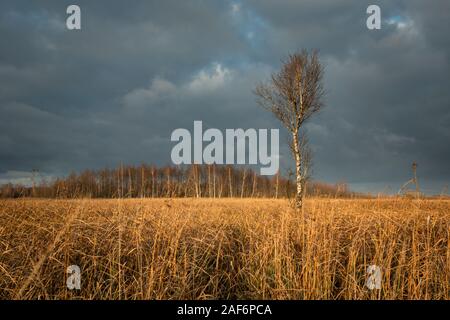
114	91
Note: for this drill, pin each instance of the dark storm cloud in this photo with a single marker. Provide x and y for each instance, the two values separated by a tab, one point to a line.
114	91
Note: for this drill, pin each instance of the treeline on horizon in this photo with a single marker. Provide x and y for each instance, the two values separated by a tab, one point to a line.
147	181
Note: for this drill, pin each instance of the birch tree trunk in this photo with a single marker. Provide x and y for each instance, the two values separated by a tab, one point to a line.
229	181
169	191
298	171
214	180
243	182
254	185
277	184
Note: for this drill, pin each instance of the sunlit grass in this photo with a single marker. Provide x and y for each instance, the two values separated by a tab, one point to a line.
231	248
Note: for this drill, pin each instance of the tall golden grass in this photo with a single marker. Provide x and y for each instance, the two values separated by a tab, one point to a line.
230	249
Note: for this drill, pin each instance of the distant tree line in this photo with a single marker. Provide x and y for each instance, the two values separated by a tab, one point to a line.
146	181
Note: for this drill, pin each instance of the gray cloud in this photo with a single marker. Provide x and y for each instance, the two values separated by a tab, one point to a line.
114	91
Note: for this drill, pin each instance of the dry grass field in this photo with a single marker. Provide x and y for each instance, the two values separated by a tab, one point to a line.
210	248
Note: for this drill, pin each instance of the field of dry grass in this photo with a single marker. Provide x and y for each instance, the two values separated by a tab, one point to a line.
209	248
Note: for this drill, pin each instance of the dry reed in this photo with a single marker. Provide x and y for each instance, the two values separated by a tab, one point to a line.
230	249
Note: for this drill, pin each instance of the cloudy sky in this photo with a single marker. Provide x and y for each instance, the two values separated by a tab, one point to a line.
114	91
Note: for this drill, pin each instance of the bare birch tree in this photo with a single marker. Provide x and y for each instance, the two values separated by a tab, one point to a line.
293	95
244	175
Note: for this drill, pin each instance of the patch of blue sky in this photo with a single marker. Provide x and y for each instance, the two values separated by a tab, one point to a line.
250	26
